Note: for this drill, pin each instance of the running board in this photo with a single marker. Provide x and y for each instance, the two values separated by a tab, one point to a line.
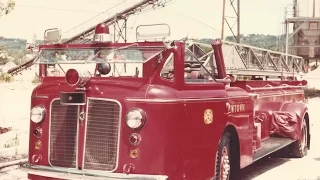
271	145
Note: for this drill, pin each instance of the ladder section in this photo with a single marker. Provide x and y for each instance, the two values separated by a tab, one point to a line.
118	22
24	66
249	61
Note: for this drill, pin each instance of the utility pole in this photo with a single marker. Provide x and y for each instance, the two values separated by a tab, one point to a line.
235	6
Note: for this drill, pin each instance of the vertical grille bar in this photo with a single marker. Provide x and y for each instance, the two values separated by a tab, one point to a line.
102	135
63	135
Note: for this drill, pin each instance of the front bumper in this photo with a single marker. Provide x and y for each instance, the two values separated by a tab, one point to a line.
67	174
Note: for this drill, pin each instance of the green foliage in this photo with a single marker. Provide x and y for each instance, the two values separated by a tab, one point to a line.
6	6
12	142
12	48
312	92
36	80
4	77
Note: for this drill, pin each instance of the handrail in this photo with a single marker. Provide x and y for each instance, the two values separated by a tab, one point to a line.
269	87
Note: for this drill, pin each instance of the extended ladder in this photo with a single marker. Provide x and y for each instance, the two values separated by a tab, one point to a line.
246	60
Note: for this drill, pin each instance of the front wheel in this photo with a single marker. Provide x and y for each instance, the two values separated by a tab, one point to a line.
226	164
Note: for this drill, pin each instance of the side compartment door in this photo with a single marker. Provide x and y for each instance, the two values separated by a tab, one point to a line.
240	115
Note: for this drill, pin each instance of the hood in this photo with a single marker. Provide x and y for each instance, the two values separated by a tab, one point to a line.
115	88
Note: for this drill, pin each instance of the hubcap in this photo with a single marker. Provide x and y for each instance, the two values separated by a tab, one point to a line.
225	165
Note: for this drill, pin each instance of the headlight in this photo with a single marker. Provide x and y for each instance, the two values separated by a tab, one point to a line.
37	114
135	118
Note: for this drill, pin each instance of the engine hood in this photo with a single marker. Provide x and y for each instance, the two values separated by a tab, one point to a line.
115	88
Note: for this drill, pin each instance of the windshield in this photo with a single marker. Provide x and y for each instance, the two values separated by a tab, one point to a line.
123	61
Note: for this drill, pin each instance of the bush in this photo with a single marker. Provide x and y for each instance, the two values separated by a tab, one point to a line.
36	80
311	92
5	77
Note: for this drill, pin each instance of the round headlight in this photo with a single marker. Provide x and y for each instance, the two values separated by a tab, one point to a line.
135	118
37	114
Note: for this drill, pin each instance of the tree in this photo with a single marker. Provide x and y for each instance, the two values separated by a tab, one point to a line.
3	56
6	6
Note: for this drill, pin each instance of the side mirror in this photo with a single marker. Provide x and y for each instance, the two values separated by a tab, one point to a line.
52	36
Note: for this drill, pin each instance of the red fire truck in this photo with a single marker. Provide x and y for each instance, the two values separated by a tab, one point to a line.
156	110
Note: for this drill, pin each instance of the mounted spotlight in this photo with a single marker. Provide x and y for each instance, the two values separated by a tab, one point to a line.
104	68
74	77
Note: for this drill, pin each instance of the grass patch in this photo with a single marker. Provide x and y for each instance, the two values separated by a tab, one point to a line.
312	92
12	142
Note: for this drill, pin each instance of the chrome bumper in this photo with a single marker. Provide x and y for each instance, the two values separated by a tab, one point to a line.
68	174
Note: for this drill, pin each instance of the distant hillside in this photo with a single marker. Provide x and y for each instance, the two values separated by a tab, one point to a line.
16	48
271	42
13	43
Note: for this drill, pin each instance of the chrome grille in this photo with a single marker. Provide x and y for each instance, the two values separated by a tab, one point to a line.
63	135
102	135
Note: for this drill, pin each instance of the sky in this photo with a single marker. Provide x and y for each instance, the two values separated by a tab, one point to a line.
199	19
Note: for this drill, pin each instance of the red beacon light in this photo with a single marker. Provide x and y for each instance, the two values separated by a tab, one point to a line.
74	77
102	34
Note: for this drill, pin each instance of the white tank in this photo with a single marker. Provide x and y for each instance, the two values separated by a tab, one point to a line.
306	8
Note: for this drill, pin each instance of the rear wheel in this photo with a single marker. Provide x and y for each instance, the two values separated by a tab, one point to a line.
226	163
299	148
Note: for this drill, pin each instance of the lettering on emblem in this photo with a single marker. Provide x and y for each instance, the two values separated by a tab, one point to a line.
208	116
236	108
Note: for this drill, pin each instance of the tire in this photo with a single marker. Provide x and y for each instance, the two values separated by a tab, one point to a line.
299	148
226	166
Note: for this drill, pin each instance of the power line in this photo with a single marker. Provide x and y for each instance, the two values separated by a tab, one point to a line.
56	9
97	15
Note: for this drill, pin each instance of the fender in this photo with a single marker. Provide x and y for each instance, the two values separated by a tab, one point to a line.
245	152
300	109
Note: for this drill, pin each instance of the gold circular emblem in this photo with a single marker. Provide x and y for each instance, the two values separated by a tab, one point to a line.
208	116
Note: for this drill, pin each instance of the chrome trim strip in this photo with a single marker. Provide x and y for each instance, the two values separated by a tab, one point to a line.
87	175
74	104
172	100
40	96
269	87
119	132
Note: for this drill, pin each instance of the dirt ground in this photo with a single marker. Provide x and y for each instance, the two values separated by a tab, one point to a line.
307	168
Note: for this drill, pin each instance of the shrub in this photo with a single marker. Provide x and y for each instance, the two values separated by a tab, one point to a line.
36	80
5	77
312	92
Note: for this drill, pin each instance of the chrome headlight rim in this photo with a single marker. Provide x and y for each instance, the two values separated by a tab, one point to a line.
40	110
136	118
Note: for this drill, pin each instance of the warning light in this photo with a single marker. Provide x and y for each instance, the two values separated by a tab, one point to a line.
37	145
134	153
102	34
74	77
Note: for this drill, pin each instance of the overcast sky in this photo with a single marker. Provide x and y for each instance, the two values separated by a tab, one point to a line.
198	18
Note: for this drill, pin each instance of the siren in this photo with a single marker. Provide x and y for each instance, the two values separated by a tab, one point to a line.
102	34
74	77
